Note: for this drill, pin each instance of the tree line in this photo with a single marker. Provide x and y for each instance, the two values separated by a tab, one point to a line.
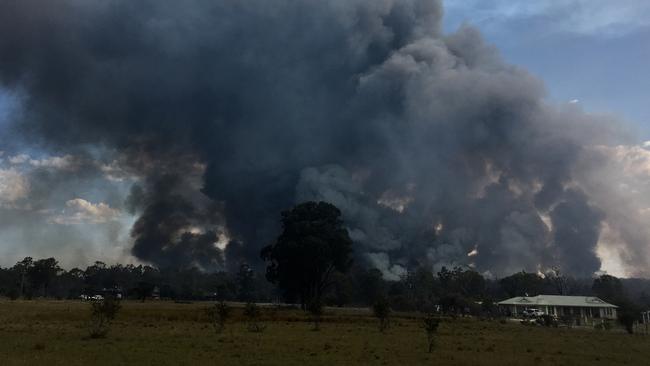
310	261
454	289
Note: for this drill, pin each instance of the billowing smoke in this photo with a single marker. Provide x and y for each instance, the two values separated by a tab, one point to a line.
436	151
176	224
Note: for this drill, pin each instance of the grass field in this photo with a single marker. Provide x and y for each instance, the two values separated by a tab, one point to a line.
164	333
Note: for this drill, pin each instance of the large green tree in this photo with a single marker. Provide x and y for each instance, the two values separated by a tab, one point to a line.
522	284
466	282
313	245
22	269
42	273
610	289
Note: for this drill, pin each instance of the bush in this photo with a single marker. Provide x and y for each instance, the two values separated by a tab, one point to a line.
627	320
527	322
547	321
430	324
488	308
102	314
567	320
315	308
381	310
252	314
607	324
628	314
218	315
13	293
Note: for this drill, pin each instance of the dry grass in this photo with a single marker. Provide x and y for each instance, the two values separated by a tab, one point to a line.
55	333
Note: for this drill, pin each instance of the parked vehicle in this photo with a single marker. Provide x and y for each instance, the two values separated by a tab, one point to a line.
532	313
98	297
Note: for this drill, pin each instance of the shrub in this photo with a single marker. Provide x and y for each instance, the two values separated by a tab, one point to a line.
488	308
547	320
628	314
567	320
430	324
252	314
527	322
13	293
607	324
218	315
627	320
315	308
381	310
102	314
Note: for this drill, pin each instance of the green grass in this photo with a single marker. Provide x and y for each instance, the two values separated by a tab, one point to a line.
162	333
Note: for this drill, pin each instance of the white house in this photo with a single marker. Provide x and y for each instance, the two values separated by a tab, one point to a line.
584	308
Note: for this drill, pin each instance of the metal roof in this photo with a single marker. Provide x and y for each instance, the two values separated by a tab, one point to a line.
557	300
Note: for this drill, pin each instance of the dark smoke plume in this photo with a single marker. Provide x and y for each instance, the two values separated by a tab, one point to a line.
171	214
436	151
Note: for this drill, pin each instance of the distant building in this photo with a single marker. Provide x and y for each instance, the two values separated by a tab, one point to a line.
583	308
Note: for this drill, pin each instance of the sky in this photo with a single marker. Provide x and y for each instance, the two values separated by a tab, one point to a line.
595	52
591	55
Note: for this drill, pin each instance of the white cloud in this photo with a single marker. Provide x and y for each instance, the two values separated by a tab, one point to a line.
13	186
80	211
588	17
19	159
634	160
54	162
115	172
51	162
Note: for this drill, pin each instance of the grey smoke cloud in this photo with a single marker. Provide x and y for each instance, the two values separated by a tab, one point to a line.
430	144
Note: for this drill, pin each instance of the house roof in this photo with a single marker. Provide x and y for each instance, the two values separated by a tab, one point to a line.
557	300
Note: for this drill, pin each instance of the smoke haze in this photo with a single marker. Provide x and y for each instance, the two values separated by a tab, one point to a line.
226	113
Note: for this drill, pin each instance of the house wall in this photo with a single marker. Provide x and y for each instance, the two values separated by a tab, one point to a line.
577	311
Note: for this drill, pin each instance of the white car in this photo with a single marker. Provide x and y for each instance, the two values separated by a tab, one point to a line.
532	313
97	298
